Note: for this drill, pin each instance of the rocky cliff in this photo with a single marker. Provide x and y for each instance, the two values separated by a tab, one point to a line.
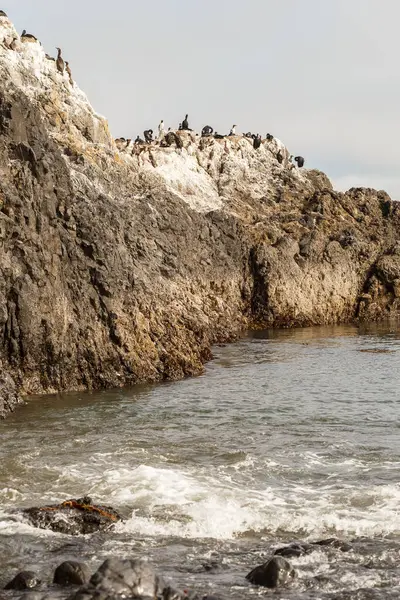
124	263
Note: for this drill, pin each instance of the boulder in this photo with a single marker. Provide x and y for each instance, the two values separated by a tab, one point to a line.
73	517
25	580
123	578
70	573
275	572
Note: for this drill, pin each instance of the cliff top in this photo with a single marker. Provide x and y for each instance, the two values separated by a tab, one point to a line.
193	173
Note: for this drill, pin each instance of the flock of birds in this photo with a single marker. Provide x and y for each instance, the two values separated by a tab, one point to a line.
170	137
62	66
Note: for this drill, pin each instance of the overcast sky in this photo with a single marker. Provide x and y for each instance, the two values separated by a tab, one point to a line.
321	75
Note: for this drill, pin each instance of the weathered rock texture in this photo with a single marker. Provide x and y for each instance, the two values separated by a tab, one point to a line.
73	517
124	264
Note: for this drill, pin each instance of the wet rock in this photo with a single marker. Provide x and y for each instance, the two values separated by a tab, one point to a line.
294	550
25	580
70	573
123	578
73	517
335	543
170	593
49	595
9	396
213	566
275	572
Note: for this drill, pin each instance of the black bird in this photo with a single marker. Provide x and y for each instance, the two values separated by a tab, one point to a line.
185	123
29	36
300	161
207	130
148	135
256	141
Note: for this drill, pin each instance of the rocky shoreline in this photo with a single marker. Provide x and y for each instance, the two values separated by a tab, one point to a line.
135	577
119	267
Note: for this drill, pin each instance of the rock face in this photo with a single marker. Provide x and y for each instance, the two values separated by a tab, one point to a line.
125	263
9	396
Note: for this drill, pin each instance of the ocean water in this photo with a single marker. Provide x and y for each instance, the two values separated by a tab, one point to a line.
290	435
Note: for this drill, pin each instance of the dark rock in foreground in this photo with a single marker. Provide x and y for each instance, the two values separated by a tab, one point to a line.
73	517
26	580
70	573
123	578
275	572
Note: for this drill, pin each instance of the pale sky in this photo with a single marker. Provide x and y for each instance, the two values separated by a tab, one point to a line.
321	75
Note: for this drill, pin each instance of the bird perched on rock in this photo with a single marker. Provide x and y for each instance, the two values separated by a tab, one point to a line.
170	138
256	141
185	123
50	57
60	62
148	135
300	161
68	69
207	130
233	130
28	37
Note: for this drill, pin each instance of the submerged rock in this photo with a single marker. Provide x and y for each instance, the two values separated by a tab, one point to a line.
294	550
25	580
73	517
335	543
297	549
275	572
